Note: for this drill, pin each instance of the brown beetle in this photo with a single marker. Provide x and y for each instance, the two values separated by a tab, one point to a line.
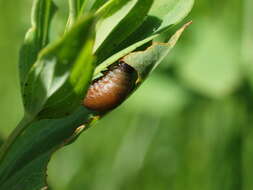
110	90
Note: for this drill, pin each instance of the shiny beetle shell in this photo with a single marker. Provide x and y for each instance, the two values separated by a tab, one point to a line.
110	90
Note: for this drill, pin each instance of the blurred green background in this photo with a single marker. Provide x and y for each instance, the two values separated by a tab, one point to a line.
189	127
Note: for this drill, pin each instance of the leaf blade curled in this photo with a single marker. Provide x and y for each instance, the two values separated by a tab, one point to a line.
37	36
54	76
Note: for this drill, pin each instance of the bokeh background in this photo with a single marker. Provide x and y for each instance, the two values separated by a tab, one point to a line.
189	127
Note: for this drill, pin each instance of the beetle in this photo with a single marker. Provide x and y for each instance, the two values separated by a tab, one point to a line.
111	89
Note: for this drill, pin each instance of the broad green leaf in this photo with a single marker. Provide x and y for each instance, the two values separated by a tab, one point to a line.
24	165
58	80
117	20
170	12
146	61
69	96
163	15
149	29
143	61
37	36
117	56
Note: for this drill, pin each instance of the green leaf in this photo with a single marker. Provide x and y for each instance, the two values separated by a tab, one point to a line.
70	95
170	12
146	61
24	165
149	29
58	80
163	15
37	36
142	61
118	19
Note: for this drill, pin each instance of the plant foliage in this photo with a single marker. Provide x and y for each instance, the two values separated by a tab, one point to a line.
55	74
